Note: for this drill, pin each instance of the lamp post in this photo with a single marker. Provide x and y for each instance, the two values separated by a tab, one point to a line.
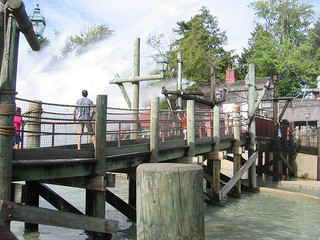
162	63
307	114
38	21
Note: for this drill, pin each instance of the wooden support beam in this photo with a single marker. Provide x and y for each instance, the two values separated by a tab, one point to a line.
252	126
134	79
224	191
49	153
284	159
254	109
154	130
18	10
237	150
7	104
36	215
121	206
93	183
55	200
284	109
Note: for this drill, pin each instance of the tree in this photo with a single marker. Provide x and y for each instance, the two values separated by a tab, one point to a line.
285	19
281	43
43	42
87	38
160	45
201	43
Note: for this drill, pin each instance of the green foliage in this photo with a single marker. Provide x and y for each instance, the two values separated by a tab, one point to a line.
201	44
87	38
284	44
43	42
285	19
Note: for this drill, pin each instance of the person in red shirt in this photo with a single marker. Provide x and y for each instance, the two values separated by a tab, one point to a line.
184	120
18	123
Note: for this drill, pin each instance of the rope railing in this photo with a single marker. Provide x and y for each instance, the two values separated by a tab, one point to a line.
58	128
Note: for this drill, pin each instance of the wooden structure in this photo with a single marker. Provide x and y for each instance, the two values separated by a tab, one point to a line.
169	201
91	168
88	168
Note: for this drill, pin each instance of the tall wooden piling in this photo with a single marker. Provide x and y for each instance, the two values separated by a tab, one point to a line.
34	112
170	201
275	169
214	158
191	131
33	141
135	112
237	150
252	127
154	129
216	149
179	83
135	89
7	105
95	199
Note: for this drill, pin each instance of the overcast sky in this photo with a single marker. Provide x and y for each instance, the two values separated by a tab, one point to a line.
39	79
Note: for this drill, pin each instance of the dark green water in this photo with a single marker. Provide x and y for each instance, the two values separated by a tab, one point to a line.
253	216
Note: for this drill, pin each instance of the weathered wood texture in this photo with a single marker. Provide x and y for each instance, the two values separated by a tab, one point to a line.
170	201
7	107
31	214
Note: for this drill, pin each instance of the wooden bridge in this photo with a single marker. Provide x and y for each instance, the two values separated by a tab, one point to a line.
49	156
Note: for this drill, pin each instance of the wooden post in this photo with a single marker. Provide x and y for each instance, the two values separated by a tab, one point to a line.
267	158
170	201
237	150
179	85
135	89
34	112
318	143
32	200
96	199
275	169
191	132
252	127
213	84
7	107
154	129
135	112
216	150
260	163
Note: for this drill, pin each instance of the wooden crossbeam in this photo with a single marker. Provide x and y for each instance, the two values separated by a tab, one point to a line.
30	214
131	79
284	159
224	191
121	206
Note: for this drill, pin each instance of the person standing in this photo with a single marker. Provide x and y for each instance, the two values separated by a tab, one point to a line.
17	119
184	120
84	114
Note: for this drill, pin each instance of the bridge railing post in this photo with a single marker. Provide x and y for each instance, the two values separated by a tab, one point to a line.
252	127
191	131
34	114
237	150
95	200
154	129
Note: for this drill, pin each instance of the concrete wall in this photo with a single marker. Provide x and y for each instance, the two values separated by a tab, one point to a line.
306	166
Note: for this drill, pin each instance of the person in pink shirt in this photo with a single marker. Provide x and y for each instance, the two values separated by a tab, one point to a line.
18	123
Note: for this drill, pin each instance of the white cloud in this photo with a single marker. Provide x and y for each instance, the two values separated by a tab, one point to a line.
130	19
